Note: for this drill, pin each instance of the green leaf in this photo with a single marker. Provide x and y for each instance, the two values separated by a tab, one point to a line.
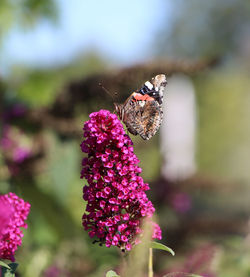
111	273
160	246
13	266
9	271
3	264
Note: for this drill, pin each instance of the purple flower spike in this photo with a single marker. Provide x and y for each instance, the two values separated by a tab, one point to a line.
117	202
13	212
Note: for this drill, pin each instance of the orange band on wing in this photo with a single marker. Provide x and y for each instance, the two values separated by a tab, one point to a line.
145	97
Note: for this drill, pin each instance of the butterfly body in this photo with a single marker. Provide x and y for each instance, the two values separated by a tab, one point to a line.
142	111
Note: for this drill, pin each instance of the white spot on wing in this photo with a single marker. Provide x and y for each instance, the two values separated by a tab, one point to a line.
141	103
149	85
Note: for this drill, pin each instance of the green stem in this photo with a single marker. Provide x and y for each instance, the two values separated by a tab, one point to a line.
150	263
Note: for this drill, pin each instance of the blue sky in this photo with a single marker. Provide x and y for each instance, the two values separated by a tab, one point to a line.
123	31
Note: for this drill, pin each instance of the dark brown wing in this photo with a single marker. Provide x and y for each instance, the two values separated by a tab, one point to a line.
143	117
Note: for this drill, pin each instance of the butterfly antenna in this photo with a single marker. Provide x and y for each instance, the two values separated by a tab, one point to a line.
100	84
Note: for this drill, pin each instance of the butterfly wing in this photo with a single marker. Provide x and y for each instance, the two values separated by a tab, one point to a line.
143	118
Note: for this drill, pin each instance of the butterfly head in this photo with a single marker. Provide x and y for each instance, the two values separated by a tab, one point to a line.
159	82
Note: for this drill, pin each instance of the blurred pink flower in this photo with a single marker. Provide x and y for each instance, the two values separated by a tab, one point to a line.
14	211
15	145
181	202
200	262
54	271
20	154
117	202
17	110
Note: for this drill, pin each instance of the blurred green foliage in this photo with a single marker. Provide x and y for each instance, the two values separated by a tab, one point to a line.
223	100
24	14
205	28
37	87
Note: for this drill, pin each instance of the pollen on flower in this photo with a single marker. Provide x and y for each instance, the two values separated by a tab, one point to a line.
13	212
115	194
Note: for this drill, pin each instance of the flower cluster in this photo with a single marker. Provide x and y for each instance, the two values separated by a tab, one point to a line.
115	194
13	212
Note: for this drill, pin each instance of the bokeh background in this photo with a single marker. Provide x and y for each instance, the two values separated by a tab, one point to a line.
54	53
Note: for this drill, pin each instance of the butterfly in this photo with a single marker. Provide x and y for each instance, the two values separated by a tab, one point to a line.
142	112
